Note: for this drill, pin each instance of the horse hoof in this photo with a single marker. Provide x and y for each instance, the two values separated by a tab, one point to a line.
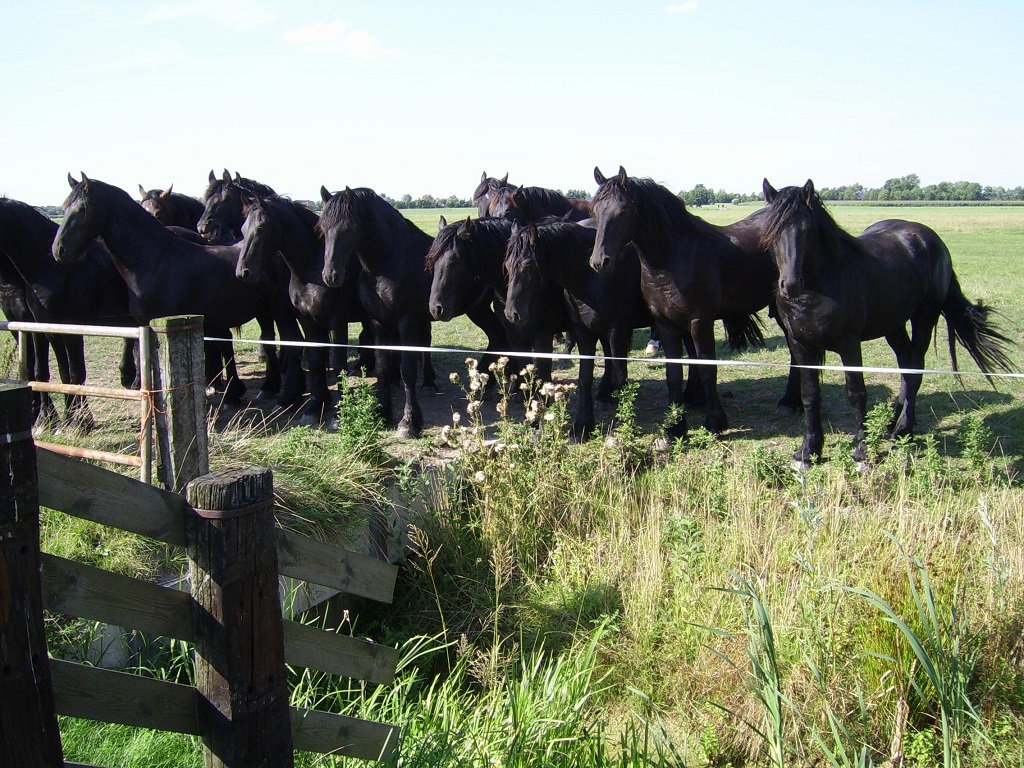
784	409
860	467
406	431
801	465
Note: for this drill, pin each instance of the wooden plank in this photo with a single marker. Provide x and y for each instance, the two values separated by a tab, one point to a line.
76	589
29	735
236	620
303	558
117	697
92	493
306	646
326	733
179	400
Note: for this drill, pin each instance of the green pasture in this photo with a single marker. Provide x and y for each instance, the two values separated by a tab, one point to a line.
622	603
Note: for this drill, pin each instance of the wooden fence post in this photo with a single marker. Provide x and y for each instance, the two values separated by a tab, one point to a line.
179	398
240	672
29	735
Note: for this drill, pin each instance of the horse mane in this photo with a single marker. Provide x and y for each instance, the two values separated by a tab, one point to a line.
557	243
487	232
661	211
244	184
791	202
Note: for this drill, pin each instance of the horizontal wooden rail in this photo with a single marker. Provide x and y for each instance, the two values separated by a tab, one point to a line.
76	589
129	460
115	393
119	697
92	493
120	331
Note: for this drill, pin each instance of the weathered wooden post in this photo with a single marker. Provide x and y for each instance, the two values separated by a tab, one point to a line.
179	399
239	644
29	736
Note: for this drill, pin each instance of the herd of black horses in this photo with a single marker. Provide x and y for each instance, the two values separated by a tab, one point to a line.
532	265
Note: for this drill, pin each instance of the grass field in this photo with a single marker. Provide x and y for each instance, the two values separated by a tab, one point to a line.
600	604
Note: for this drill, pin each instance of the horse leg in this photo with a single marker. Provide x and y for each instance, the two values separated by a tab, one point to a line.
583	423
36	360
316	355
78	413
427	362
810	395
129	364
789	404
703	330
910	353
293	382
384	368
693	395
857	394
268	352
673	343
412	417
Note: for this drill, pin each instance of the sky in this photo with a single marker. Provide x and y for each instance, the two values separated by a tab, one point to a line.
423	97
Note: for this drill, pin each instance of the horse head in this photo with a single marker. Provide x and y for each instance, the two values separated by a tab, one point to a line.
452	270
81	223
339	226
259	239
525	296
615	214
790	233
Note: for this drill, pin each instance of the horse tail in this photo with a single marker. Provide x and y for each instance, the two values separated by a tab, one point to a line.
743	331
970	325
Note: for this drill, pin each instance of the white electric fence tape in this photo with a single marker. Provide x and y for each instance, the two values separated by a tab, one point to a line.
659	360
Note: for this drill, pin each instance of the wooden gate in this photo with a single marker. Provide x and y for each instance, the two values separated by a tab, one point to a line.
225	522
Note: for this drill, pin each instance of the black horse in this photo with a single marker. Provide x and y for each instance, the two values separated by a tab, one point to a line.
167	275
276	225
692	273
531	204
467	260
482	193
88	293
172	209
222	217
836	290
603	308
361	229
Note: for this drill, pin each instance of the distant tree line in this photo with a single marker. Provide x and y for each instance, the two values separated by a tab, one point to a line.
902	188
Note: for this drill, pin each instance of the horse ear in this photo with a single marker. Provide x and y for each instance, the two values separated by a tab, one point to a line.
213	176
504	179
71	181
348	195
142	192
809	192
532	235
483	177
167	192
515	193
599	177
442	222
769	191
622	176
463	232
324	194
238	177
226	177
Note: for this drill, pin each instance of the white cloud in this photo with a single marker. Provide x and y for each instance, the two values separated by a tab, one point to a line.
238	13
339	37
686	7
